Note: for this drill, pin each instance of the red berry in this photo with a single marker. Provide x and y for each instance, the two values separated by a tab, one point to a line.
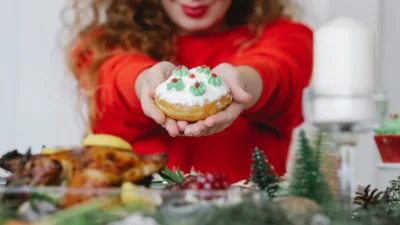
174	80
213	75
197	84
393	115
204	184
179	67
192	75
209	181
203	66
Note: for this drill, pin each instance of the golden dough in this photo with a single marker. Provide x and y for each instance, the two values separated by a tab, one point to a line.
194	113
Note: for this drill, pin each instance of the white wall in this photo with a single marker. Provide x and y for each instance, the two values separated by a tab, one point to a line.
36	96
390	37
8	74
37	99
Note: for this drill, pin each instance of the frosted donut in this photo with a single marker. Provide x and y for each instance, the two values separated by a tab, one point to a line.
192	95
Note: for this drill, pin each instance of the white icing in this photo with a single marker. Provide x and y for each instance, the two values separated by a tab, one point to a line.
185	97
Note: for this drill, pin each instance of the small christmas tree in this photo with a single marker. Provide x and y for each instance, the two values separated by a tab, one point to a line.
307	179
392	194
263	174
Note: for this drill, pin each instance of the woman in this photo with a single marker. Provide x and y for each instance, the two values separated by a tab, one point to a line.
263	56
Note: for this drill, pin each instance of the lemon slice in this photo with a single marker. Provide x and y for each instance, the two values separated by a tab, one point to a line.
106	140
131	194
50	151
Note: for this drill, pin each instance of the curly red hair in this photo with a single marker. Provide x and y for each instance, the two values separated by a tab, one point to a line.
143	26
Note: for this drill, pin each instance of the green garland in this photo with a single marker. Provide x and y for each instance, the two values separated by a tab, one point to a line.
307	181
248	213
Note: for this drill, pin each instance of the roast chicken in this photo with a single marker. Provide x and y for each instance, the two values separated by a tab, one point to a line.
88	168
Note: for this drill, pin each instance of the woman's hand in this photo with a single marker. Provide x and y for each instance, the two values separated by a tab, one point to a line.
222	120
145	86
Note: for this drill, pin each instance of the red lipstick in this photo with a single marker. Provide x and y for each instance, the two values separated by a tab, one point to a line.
195	12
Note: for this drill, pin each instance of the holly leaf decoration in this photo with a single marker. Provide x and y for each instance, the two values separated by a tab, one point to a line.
194	173
215	80
198	89
180	71
203	69
176	83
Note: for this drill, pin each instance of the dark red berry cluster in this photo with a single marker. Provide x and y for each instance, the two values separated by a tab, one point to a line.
206	182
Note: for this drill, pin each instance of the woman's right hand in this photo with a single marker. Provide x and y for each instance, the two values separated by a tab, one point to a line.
145	86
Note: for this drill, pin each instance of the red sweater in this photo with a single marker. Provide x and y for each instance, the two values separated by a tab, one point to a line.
283	58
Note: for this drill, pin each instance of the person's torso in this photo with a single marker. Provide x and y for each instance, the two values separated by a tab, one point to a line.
226	152
230	150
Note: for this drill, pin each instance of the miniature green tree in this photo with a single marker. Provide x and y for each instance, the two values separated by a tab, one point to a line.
307	180
263	174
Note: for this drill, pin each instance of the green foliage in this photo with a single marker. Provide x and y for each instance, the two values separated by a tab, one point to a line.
8	210
95	212
171	177
249	213
307	179
392	194
263	174
34	198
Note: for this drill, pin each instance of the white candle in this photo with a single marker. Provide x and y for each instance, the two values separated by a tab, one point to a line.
330	110
344	58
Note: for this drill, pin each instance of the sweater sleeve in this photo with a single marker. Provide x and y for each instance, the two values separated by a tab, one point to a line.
120	110
283	57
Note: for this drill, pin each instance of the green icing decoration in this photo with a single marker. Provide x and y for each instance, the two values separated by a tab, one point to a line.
180	71
198	91
178	85
203	69
390	126
215	81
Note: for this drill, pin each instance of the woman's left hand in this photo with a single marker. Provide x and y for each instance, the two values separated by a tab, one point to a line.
222	120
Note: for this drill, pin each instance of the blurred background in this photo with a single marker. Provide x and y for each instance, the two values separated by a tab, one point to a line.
37	96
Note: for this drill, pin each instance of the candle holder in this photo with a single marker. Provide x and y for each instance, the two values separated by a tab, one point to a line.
344	117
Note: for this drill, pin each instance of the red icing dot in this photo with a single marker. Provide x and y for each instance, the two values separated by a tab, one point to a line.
179	67
192	75
197	84
213	75
174	80
203	66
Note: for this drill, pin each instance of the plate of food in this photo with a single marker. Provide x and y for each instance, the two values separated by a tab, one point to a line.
104	181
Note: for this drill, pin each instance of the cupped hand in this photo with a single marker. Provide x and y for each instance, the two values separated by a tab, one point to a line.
223	119
146	84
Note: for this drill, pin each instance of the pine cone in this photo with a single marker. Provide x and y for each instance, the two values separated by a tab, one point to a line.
367	198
